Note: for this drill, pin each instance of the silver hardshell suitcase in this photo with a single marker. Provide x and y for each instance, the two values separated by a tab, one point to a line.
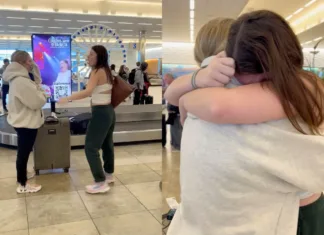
52	147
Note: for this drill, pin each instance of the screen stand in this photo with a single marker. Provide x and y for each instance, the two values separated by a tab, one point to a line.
53	108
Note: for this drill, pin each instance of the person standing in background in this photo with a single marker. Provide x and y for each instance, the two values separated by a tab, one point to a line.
122	72
138	65
5	86
113	70
173	117
139	84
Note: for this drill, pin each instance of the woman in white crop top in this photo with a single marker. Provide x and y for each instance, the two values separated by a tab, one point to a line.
258	171
101	126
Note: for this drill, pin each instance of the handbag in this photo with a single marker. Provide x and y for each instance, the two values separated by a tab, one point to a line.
120	91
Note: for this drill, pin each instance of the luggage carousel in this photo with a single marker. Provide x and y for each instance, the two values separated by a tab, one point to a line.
133	124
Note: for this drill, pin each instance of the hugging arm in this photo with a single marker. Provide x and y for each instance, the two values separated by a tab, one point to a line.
248	104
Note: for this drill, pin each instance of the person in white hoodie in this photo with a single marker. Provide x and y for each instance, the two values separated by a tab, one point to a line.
26	99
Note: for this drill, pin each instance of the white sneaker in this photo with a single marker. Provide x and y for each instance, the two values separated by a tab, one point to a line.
29	188
109	178
97	188
30	174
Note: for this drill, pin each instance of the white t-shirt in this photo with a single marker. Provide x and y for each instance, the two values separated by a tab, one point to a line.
63	77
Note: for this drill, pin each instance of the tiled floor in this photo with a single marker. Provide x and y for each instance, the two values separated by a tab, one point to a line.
132	206
170	178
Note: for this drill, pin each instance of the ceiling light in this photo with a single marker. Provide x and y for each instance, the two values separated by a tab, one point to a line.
305	17
192	4
192	14
127	30
310	3
127	35
145	23
17	18
84	21
157	31
1	31
54	27
14	31
307	42
35	26
105	22
62	20
159	24
317	39
139	2
154	49
155	36
192	21
299	10
289	17
124	23
41	19
16	26
192	27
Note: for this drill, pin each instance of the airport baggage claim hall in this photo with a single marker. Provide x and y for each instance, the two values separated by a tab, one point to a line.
58	36
51	44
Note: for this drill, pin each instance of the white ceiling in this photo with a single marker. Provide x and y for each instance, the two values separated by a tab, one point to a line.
282	7
311	34
176	16
25	23
20	18
310	28
145	8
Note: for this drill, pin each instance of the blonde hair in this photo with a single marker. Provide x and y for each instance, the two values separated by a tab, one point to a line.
212	38
20	57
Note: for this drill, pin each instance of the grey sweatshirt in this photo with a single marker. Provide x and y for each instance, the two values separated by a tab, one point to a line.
245	179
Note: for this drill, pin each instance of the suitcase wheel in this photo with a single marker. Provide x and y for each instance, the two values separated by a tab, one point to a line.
37	172
66	170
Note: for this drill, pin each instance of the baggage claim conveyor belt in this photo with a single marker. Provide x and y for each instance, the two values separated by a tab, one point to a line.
134	123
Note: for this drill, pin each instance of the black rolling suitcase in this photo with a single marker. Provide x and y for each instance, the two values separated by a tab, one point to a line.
149	99
79	123
53	147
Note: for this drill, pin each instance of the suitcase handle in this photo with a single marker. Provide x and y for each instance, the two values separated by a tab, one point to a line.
51	120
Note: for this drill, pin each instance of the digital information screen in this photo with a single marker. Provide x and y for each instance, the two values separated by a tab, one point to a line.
52	54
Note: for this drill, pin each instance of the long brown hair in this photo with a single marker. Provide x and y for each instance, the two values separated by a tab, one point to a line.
102	61
263	42
121	70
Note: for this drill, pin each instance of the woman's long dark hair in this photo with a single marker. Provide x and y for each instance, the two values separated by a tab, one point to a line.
263	42
121	70
102	61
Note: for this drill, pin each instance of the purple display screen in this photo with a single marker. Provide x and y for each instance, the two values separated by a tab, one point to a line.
52	54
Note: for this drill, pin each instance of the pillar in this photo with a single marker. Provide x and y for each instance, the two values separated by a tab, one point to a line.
141	46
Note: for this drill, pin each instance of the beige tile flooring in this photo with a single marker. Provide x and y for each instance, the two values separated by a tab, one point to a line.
132	206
